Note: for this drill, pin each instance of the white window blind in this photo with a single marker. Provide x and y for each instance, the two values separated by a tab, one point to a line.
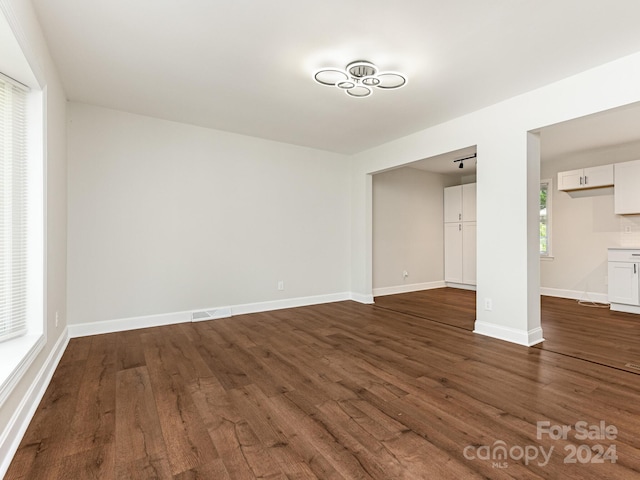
13	210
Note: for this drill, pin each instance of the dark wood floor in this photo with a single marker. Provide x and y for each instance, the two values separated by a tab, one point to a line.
451	306
586	332
338	391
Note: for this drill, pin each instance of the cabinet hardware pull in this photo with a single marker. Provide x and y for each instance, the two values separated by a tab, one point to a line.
459	216
580	180
460	228
585	179
634	268
635	254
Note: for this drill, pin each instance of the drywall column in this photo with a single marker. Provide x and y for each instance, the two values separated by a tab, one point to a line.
508	298
534	328
362	236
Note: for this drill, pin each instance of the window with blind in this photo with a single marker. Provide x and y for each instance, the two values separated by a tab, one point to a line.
13	210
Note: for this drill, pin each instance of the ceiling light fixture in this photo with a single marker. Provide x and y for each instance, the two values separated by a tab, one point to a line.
359	79
463	159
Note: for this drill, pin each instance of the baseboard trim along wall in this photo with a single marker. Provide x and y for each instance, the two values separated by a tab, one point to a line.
413	287
133	323
12	435
367	299
521	337
575	295
462	286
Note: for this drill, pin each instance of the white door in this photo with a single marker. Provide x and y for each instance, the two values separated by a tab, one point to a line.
453	204
469	253
453	252
623	283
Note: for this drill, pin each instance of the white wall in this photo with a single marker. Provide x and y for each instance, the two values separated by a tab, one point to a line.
167	217
508	182
15	410
407	229
584	225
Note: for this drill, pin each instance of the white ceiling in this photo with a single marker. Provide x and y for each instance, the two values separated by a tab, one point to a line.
246	66
614	127
446	163
619	126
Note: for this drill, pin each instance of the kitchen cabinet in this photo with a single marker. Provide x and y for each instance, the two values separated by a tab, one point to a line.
623	271
453	204
469	202
460	234
626	192
469	253
460	203
453	252
583	178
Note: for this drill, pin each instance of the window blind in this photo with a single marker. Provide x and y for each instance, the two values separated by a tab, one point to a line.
13	210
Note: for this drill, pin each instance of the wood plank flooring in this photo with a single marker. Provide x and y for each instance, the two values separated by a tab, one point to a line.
589	333
451	306
337	391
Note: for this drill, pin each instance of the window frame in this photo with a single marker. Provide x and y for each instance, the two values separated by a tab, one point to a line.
548	182
19	354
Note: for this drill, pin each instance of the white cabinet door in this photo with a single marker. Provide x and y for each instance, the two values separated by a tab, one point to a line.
626	188
469	253
460	234
623	283
453	204
601	176
469	202
453	252
592	177
570	180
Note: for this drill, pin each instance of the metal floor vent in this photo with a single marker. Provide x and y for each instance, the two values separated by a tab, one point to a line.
211	314
633	365
200	316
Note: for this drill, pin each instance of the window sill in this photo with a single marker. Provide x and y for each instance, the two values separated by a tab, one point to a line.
17	356
547	258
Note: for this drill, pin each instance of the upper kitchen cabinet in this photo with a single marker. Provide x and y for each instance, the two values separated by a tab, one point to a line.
592	177
627	188
460	203
469	202
453	204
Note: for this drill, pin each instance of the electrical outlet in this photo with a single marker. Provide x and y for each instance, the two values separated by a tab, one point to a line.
57	317
280	284
488	304
627	229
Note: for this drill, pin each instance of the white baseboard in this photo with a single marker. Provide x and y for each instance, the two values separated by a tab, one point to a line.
462	286
413	287
619	307
289	303
521	337
17	426
133	323
575	295
365	298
